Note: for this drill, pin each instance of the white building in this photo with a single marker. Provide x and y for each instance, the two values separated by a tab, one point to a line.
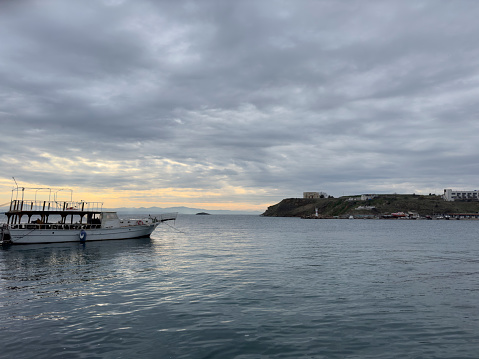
450	195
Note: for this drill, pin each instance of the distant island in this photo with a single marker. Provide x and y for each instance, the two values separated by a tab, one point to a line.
202	214
380	206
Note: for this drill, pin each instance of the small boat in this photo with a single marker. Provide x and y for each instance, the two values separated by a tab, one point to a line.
54	221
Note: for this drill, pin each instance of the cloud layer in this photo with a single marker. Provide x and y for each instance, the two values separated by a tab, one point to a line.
239	102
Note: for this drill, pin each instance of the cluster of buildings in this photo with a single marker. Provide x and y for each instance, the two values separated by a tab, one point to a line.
449	195
363	197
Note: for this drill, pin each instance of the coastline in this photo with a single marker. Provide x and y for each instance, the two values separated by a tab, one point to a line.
383	206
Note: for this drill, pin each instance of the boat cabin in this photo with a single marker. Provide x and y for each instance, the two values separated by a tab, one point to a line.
109	220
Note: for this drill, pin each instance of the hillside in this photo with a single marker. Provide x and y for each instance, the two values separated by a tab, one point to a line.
383	204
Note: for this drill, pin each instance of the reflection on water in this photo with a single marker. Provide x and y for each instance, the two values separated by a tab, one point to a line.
248	287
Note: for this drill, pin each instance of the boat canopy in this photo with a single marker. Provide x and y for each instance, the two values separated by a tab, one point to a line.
27	203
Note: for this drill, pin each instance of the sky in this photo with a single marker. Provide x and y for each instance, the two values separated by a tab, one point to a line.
238	104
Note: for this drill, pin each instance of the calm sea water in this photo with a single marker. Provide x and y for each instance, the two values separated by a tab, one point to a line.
249	287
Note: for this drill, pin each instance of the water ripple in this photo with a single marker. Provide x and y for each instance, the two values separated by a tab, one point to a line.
249	287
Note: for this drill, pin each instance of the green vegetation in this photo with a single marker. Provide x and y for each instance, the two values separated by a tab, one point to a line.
383	204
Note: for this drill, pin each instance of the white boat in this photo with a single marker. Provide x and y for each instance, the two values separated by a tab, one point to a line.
52	221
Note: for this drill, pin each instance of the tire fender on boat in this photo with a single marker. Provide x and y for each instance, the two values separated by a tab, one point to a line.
82	235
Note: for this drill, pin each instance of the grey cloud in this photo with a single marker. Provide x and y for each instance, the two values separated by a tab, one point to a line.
275	96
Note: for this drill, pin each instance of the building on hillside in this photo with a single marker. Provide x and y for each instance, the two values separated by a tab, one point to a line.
363	197
367	208
315	195
451	195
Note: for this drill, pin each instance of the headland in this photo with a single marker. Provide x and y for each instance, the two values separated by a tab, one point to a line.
411	206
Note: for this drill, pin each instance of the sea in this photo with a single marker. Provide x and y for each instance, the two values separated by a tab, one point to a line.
228	286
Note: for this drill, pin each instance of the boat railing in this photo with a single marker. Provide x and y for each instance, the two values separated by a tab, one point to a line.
57	206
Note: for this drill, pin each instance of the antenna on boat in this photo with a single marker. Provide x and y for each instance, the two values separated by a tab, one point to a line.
23	189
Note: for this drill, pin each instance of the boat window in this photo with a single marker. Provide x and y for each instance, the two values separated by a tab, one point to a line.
109	216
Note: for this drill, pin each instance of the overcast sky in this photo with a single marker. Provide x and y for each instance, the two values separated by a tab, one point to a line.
238	104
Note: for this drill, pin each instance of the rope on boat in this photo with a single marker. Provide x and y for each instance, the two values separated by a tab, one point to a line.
176	229
26	234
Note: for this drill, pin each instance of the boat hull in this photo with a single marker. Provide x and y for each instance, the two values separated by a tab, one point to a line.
30	236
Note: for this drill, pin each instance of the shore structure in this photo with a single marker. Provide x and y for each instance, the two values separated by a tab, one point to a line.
315	195
30	220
